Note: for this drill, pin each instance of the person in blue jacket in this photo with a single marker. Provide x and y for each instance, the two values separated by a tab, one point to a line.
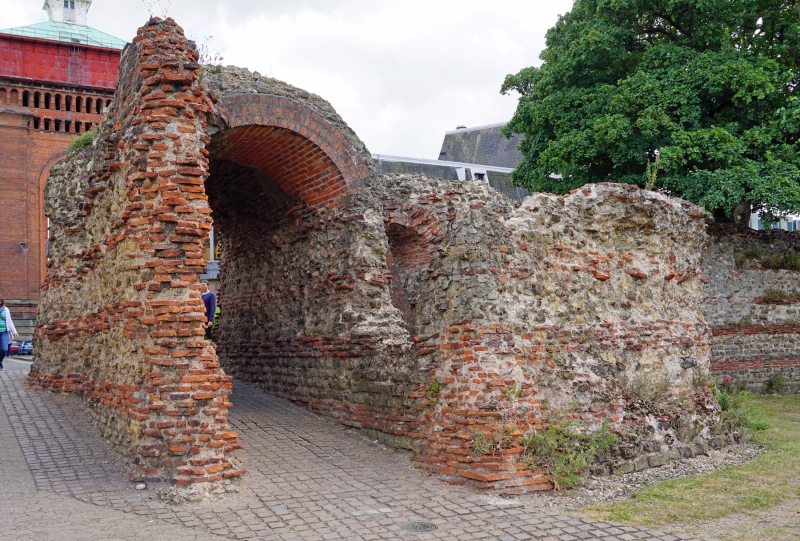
7	331
210	302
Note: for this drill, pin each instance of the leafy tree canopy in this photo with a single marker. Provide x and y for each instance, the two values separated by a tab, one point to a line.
699	97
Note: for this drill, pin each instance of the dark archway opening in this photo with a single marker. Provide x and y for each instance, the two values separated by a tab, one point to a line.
264	186
408	256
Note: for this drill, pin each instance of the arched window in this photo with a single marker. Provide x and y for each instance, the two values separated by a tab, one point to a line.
108	103
37	100
408	255
47	124
47	101
58	102
26	99
98	106
36	123
68	103
3	95
88	105
78	104
57	126
67	126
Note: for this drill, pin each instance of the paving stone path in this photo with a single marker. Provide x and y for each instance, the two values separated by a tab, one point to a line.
308	479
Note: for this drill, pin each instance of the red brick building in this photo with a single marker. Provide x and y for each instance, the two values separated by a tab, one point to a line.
56	77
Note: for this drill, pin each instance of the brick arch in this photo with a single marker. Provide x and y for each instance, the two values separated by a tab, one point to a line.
43	175
423	222
413	235
308	156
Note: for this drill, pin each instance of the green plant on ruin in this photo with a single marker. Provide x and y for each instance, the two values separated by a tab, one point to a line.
738	411
746	258
745	321
791	261
774	294
788	261
650	391
481	444
512	392
565	449
82	142
435	388
775	261
775	384
701	380
502	438
471	254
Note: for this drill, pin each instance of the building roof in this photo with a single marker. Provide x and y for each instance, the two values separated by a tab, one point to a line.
473	128
482	144
67	33
390	158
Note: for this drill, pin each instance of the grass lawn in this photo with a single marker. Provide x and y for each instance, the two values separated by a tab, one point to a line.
768	480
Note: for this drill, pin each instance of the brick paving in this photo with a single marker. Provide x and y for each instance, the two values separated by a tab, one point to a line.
308	479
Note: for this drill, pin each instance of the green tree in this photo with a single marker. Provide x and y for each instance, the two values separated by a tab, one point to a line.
699	97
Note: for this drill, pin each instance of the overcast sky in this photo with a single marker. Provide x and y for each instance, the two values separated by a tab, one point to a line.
400	72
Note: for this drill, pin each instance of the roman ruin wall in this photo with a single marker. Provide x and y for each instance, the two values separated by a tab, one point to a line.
120	316
753	338
433	314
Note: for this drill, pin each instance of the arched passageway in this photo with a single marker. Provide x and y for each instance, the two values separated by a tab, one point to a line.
307	310
281	186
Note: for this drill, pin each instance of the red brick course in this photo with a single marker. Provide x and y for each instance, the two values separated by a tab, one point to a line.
303	152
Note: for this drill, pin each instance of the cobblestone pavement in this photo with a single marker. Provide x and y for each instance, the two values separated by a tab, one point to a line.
308	479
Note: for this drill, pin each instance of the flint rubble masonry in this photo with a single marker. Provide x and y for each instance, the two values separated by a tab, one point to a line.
752	339
422	310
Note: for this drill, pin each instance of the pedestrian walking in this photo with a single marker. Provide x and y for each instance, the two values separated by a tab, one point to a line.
7	331
210	302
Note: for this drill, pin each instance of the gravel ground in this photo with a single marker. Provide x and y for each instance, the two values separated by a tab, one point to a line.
612	489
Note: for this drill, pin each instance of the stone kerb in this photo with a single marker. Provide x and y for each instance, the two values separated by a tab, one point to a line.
270	111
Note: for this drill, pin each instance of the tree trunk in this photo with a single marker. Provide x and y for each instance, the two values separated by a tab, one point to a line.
741	215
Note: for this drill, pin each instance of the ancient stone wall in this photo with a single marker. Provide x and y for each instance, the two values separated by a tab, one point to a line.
753	339
526	312
435	314
120	318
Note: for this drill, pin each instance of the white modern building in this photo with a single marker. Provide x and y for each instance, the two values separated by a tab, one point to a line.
790	223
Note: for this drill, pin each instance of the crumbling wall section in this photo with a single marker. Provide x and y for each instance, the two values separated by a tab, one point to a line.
120	316
553	308
754	338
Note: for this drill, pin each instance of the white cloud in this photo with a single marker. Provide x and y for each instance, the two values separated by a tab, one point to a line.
400	73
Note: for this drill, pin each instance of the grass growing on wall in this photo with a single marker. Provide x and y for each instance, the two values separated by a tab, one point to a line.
82	142
768	480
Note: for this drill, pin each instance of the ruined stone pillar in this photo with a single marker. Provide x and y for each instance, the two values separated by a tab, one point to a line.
121	319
